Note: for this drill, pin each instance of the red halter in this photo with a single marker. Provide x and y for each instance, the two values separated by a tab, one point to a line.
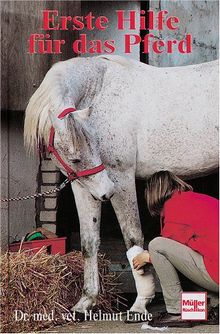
72	175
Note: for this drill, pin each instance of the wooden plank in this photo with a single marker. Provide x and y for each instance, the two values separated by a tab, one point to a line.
65	8
4	183
22	179
22	73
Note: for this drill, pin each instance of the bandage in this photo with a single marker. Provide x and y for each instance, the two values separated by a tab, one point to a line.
144	282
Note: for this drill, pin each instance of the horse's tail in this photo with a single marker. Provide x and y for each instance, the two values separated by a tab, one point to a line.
48	97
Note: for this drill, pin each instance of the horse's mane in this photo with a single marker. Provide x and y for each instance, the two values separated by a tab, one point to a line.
117	59
46	98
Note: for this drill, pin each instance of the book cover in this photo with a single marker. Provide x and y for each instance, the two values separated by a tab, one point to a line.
109	166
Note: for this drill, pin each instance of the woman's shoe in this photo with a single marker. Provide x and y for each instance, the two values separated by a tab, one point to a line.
166	319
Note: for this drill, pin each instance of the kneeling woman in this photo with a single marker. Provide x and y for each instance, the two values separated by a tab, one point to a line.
188	242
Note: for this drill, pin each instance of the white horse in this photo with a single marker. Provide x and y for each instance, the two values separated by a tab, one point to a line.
135	119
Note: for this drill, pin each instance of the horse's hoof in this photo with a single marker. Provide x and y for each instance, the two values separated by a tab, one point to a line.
79	317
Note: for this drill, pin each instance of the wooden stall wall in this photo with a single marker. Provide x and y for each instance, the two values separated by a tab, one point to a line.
21	75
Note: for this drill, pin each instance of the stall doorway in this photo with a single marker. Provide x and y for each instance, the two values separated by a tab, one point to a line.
111	238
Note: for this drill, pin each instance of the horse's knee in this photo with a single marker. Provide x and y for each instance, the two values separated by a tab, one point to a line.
155	244
90	247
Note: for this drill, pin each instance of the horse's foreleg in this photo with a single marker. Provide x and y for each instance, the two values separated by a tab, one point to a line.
125	205
89	211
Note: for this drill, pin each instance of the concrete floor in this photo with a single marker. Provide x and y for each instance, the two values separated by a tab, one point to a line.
121	327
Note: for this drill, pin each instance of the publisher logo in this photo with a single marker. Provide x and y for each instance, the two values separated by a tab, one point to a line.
194	306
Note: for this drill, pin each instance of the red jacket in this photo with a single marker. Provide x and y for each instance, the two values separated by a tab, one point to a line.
192	219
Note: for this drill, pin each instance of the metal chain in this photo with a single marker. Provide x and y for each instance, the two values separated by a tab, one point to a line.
23	198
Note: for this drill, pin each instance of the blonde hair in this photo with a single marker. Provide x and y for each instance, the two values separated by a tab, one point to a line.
160	187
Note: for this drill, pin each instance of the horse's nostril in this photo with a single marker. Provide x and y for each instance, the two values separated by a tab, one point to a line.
111	196
104	198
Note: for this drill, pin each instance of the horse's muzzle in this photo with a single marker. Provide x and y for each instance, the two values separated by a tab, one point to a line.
105	198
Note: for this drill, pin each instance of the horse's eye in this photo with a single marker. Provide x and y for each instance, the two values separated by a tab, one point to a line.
75	160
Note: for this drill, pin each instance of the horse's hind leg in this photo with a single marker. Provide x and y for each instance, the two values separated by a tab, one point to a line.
89	211
125	205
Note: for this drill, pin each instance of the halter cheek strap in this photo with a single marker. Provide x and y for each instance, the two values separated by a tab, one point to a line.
72	175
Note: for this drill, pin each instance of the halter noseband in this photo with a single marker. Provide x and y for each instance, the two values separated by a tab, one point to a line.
71	174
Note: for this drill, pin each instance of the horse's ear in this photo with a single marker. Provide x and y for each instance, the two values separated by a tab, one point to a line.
56	122
82	114
60	124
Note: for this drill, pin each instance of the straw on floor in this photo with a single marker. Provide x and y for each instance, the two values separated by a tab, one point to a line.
45	287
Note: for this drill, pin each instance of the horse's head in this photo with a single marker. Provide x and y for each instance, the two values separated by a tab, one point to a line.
77	144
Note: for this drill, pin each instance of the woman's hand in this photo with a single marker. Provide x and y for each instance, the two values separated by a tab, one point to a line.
141	259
